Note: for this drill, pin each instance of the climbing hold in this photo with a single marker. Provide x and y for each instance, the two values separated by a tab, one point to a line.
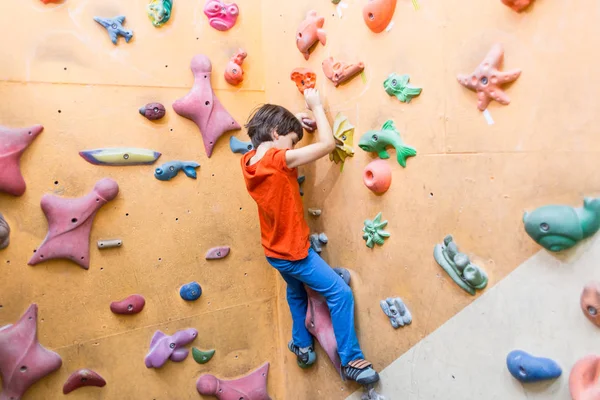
81	378
163	347
23	360
517	5
14	142
590	302
527	368
560	227
309	32
343	131
169	170
458	265
130	305
318	323
50	1
371	394
252	386
4	233
70	223
202	357
314	212
377	142
153	111
159	12
190	291
396	311
344	274
217	252
487	80
339	72
120	156
377	176
307	123
237	146
304	78
397	85
373	231
107	244
316	240
378	14
234	74
221	16
301	180
583	380
114	27
202	106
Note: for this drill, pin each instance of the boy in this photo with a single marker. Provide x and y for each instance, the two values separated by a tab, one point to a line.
270	173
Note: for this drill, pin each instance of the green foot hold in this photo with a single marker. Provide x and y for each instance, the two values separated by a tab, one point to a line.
202	357
373	231
397	85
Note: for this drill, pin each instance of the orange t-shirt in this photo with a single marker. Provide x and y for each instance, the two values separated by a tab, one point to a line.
274	187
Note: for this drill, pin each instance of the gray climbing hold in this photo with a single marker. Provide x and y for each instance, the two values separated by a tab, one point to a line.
396	311
114	27
317	240
344	274
237	146
301	180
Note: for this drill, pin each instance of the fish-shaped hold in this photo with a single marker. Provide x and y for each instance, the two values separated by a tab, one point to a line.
559	227
169	170
309	32
114	27
377	142
120	156
397	85
343	131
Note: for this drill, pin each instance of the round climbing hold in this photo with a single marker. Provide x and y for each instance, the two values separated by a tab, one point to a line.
190	291
377	176
344	274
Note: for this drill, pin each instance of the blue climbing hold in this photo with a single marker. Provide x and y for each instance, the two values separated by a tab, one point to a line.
237	146
114	27
191	291
527	368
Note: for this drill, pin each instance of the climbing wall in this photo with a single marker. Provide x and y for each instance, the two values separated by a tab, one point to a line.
62	71
469	179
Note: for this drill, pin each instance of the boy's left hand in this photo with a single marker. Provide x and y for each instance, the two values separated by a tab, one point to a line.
307	123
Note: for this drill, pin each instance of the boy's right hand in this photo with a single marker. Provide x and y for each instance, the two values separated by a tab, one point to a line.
312	98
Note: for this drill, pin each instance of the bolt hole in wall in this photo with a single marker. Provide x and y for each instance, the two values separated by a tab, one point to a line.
59	111
56	182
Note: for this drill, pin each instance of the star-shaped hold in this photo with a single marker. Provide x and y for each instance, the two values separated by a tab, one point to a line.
487	80
13	142
203	107
23	360
250	387
70	224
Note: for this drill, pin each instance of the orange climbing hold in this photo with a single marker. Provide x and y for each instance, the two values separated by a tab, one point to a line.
517	5
339	72
234	74
583	380
304	78
378	14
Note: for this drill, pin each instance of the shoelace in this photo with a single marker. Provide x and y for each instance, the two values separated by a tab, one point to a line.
297	352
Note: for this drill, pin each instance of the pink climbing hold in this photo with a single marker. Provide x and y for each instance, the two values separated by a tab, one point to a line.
130	305
250	387
23	360
163	347
81	378
318	322
13	142
70	224
203	107
217	252
221	16
234	74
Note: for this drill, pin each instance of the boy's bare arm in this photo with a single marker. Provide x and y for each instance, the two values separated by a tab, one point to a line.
325	141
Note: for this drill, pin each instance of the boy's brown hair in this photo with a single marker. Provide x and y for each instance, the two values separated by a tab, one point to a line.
268	118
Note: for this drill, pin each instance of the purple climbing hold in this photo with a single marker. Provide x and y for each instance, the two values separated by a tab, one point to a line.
163	347
217	252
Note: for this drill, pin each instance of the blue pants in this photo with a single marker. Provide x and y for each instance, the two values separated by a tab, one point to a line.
317	275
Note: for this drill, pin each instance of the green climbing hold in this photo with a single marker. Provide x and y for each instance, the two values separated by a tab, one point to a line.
159	11
377	141
373	231
335	1
397	85
466	275
559	227
202	357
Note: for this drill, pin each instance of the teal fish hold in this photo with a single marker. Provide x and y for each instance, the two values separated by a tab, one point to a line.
397	85
378	141
560	227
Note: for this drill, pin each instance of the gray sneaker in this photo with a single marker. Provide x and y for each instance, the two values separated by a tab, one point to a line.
360	371
305	359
